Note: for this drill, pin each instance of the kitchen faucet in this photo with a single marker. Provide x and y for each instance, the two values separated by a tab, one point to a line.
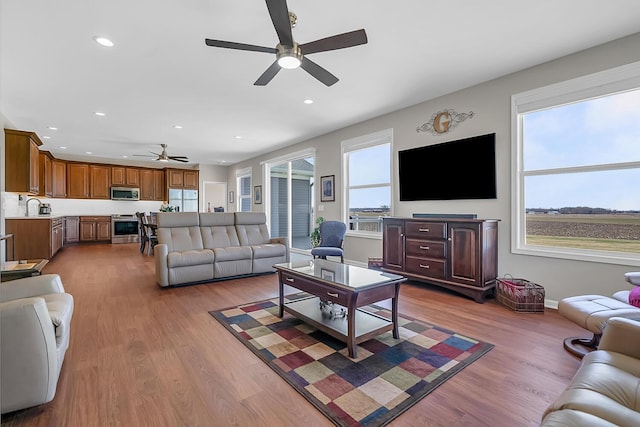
26	213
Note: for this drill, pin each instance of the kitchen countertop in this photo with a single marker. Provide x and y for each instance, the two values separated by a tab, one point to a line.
52	216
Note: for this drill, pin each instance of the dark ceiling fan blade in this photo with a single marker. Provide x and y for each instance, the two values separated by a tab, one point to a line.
340	41
280	18
239	46
177	159
268	75
318	72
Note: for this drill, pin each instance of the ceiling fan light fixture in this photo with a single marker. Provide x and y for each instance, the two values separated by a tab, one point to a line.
289	57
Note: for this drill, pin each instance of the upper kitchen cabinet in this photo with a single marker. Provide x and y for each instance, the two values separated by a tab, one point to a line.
22	172
59	173
123	176
45	174
182	178
152	184
77	180
100	181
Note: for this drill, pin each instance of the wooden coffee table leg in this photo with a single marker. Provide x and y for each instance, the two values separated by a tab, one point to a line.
351	333
394	312
281	293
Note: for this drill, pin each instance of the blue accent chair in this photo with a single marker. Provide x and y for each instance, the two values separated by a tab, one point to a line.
331	237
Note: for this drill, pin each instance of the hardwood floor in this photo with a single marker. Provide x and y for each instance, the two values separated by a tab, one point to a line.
141	355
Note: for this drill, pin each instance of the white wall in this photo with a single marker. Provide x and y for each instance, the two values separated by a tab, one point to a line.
490	102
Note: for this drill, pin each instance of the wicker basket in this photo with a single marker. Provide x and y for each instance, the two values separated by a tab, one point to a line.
520	295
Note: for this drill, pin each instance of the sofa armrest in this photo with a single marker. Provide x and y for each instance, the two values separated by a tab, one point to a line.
633	277
30	365
31	287
621	336
160	253
283	241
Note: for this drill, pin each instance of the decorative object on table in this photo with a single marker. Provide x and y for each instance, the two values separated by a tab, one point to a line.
375	263
231	197
315	234
166	207
443	121
257	194
520	295
332	310
389	377
327	188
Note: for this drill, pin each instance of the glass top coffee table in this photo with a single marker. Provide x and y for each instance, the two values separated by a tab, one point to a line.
337	292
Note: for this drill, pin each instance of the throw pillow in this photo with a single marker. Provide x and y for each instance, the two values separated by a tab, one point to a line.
634	296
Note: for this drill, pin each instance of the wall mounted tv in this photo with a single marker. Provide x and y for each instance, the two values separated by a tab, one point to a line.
461	169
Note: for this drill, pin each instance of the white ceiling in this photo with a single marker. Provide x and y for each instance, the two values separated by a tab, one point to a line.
160	73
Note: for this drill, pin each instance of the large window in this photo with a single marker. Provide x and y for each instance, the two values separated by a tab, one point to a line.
577	168
367	181
244	190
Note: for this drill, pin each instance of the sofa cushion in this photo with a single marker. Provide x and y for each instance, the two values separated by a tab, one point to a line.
189	258
232	253
572	418
268	251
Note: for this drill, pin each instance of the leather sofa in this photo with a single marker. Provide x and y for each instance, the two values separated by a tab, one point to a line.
35	321
605	390
200	247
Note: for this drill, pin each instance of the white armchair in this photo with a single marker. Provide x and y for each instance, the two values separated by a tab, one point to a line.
35	317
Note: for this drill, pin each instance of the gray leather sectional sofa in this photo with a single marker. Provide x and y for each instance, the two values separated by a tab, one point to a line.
198	247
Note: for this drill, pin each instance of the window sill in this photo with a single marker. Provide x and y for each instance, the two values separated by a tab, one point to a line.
618	258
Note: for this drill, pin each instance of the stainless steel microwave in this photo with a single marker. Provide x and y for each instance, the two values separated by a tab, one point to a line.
124	193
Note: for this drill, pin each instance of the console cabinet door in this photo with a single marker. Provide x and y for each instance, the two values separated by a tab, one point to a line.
159	188
71	229
190	180
46	175
103	229
393	247
22	166
465	257
146	185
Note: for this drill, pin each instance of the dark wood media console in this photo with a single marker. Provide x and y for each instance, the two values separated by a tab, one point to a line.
454	253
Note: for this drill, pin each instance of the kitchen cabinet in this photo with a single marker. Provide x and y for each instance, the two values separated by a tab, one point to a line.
35	238
124	176
183	178
59	174
71	230
95	228
152	184
457	254
77	180
100	182
22	165
45	174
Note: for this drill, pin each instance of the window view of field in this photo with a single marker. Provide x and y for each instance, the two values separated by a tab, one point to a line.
613	232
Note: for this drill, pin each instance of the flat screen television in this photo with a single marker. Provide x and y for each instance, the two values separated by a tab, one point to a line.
461	169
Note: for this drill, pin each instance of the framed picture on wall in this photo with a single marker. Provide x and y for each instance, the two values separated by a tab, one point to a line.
230	196
327	188
257	194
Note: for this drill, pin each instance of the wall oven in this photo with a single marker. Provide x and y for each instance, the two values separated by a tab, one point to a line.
124	229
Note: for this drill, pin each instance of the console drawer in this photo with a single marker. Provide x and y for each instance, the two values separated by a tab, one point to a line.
425	230
425	248
324	292
426	267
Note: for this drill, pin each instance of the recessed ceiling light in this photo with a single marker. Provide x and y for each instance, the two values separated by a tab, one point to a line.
46	137
89	152
52	128
177	127
125	156
62	147
98	113
103	41
238	137
308	101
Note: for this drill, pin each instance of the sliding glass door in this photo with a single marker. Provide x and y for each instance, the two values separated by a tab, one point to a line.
290	199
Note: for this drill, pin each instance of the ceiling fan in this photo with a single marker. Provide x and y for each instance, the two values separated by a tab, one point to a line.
164	157
290	54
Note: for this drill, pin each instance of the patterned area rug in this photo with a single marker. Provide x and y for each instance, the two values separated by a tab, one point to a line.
388	377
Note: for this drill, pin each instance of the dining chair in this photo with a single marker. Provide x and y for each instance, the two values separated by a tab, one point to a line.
147	233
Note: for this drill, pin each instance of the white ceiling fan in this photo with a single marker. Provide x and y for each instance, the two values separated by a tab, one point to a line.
164	157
